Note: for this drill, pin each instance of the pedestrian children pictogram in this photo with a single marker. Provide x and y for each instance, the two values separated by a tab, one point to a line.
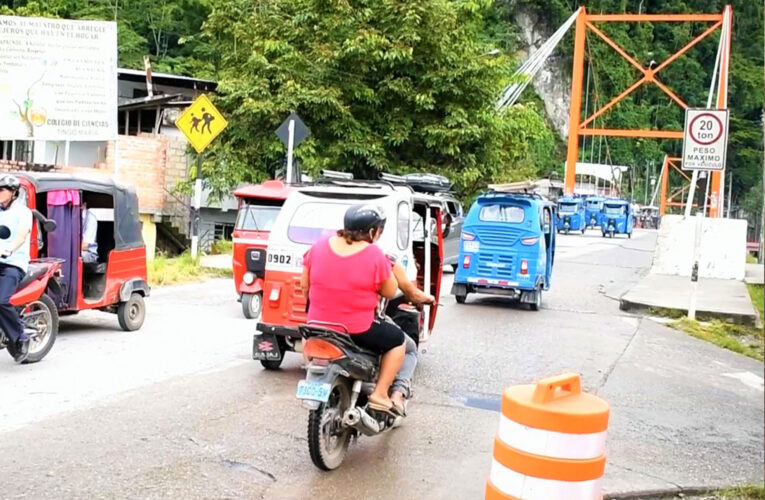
201	123
706	139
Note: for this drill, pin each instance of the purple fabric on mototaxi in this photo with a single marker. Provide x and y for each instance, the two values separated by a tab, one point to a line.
64	242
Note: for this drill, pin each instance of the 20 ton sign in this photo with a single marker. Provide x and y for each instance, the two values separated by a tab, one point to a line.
705	143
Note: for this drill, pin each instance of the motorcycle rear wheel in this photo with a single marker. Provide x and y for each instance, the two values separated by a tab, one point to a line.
41	315
327	440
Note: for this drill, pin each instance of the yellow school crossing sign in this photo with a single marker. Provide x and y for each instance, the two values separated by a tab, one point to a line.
201	123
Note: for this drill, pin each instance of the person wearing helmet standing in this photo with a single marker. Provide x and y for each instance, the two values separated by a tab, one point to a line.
342	278
15	229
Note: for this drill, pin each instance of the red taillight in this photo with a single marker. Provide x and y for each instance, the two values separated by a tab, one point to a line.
466	262
321	349
524	267
530	241
468	236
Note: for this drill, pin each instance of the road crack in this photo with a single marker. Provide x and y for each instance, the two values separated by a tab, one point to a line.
622	467
619	358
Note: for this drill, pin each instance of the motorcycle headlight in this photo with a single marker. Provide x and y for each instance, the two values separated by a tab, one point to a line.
248	278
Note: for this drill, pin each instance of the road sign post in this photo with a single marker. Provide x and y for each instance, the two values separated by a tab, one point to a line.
705	145
201	123
292	132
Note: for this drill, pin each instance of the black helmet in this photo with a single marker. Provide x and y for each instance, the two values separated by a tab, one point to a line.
363	218
9	181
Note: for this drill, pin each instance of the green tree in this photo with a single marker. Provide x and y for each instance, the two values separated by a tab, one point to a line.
384	85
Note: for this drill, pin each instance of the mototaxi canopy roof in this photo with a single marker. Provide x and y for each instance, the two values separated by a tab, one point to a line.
127	225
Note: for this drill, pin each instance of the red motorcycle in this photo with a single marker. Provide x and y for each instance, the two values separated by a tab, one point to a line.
36	298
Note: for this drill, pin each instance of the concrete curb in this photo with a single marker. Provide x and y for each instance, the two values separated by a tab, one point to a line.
663	493
640	308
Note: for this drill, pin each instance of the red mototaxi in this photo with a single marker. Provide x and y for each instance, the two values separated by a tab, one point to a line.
259	205
117	282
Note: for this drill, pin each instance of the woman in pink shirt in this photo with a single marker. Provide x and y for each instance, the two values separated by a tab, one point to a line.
342	278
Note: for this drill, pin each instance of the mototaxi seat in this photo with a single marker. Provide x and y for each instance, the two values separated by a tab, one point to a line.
94	267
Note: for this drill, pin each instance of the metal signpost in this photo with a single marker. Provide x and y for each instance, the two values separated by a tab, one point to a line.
200	123
292	132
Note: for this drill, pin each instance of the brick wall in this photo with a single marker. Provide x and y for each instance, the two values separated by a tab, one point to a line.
152	165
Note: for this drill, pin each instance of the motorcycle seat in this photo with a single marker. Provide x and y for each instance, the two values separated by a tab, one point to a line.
34	272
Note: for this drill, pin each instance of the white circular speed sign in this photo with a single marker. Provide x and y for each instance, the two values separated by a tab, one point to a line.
706	129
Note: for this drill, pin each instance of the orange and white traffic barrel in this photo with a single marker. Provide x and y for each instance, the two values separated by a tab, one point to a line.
551	443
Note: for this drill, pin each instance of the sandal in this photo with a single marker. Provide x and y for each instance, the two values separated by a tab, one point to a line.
390	409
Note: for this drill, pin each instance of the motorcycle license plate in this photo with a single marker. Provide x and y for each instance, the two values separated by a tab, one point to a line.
315	391
265	347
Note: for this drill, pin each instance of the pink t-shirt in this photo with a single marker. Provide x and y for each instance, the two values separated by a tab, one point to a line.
343	289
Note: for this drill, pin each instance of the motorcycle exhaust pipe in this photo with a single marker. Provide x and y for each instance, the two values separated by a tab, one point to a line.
361	421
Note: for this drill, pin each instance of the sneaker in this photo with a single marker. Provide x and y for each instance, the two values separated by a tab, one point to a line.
22	351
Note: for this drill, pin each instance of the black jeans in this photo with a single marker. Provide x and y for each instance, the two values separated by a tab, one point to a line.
10	322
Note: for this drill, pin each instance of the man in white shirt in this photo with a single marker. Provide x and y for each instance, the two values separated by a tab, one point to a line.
89	249
15	228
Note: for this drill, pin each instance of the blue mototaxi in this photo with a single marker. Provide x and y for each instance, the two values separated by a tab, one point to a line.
571	214
593	207
507	247
616	218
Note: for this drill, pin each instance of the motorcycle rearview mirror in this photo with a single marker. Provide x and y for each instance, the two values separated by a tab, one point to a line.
48	225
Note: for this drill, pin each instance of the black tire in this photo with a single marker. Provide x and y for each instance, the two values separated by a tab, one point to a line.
461	298
132	313
325	419
252	305
584	231
535	306
271	364
454	268
629	236
48	321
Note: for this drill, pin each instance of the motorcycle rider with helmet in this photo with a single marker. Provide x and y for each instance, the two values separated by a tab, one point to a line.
342	278
15	230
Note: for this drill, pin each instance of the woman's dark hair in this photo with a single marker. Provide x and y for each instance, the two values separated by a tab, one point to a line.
361	223
358	235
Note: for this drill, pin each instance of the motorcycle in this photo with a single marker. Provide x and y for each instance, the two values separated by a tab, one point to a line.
38	312
36	298
339	378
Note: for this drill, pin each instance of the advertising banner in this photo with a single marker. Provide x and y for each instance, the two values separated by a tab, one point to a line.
58	79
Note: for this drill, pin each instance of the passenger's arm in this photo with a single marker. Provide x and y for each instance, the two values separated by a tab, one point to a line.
389	287
305	281
411	291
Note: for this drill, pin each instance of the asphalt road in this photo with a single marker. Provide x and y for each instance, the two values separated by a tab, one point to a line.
178	409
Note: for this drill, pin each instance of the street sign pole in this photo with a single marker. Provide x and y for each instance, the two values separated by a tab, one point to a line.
290	147
195	209
292	132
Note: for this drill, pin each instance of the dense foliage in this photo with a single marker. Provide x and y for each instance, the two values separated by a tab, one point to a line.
384	85
689	77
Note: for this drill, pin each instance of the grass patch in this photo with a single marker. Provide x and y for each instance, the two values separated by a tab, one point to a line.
742	339
751	259
222	247
757	293
666	313
165	270
742	493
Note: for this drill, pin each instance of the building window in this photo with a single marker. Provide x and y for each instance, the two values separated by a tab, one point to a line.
223	231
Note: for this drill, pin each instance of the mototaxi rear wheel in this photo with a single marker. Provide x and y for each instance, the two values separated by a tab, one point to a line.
132	313
274	364
252	305
328	440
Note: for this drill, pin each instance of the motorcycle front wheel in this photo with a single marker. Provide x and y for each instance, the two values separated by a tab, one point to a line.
327	439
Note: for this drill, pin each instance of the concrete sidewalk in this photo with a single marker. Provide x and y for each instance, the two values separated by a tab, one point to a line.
726	299
755	274
221	261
